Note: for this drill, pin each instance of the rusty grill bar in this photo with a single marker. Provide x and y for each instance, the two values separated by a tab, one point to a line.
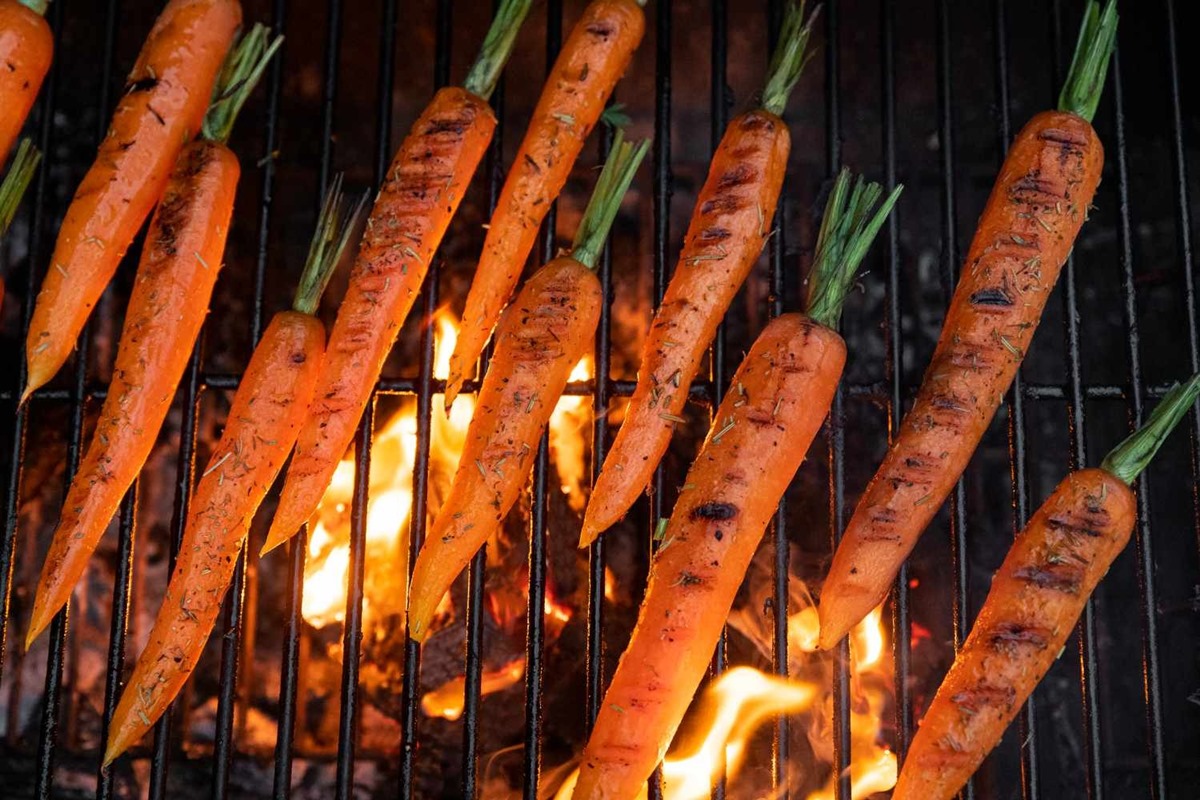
1070	391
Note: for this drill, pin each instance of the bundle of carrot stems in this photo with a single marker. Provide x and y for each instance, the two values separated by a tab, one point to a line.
303	395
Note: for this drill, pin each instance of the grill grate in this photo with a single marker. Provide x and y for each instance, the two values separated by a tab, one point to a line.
1156	769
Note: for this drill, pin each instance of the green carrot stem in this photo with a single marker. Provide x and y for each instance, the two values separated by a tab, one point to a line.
240	73
614	180
1127	460
36	6
335	225
19	175
852	218
1085	80
790	56
497	47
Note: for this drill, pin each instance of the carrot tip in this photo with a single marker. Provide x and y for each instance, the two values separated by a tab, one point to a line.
36	626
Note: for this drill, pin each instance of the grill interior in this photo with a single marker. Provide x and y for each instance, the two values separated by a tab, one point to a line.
926	93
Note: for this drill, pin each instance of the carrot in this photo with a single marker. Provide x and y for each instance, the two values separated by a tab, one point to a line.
26	49
425	183
164	103
264	419
730	224
1035	600
587	69
540	338
1038	204
760	435
13	188
179	265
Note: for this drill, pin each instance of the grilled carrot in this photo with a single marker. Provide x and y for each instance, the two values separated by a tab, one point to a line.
425	183
13	189
540	338
760	435
179	265
264	419
26	49
1038	204
1035	600
163	106
587	69
729	226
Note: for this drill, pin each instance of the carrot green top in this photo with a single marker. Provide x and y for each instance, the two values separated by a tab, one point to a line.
36	6
790	56
335	226
240	73
1085	81
846	234
614	180
497	47
1127	460
13	189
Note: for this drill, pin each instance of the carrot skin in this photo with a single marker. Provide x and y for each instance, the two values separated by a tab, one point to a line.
179	265
424	185
732	490
540	338
167	95
1035	600
729	226
593	59
264	419
26	50
1037	206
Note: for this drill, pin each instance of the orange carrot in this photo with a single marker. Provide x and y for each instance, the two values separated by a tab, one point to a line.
1038	204
730	225
26	49
164	103
265	417
587	69
760	435
425	183
13	189
540	338
1035	600
179	265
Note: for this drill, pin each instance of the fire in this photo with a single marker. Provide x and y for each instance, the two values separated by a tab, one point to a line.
389	505
446	701
743	699
567	423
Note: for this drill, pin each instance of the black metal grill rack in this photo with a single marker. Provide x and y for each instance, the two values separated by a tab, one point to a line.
1137	733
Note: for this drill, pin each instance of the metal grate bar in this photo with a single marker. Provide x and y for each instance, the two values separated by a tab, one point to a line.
122	593
1027	718
1143	540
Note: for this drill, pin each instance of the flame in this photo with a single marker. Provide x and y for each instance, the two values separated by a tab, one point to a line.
446	701
571	414
389	506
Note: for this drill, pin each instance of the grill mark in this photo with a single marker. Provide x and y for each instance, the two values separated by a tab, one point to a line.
456	125
983	696
948	402
1067	524
756	121
1058	577
737	176
714	511
1059	136
600	28
721	202
992	296
1011	635
714	234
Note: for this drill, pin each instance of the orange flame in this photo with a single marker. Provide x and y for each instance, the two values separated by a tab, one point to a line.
571	415
446	701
